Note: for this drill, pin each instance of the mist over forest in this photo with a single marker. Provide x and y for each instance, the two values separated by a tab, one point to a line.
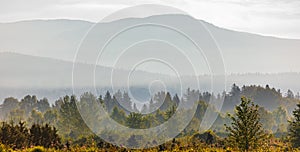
18	80
243	94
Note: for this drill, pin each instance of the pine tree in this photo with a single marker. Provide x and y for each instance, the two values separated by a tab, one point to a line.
118	115
246	132
70	121
22	135
134	120
294	130
135	109
144	109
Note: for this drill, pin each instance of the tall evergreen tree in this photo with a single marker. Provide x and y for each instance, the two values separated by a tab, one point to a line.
108	102
127	101
70	121
144	109
118	115
294	130
135	120
290	94
246	132
135	109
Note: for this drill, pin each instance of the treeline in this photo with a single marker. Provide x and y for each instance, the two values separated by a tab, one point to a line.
267	97
70	115
65	116
18	136
245	133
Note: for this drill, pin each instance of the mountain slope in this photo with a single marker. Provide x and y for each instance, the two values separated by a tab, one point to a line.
242	52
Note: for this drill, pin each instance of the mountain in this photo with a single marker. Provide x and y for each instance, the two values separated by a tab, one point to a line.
51	38
242	52
50	47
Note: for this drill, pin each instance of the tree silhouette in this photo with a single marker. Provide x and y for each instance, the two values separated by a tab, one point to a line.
19	136
134	120
70	120
246	132
118	115
294	130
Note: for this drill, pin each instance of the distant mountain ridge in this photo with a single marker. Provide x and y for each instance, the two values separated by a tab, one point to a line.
44	51
61	38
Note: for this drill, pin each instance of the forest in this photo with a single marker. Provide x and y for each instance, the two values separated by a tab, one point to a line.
264	117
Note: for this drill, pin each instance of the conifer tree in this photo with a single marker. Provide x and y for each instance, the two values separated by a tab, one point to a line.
134	120
118	115
246	132
294	130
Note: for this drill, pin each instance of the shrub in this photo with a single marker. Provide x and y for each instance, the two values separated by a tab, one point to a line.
37	149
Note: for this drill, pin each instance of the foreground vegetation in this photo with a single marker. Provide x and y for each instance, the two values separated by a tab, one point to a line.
34	125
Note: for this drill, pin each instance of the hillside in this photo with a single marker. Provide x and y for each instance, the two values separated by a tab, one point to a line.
60	39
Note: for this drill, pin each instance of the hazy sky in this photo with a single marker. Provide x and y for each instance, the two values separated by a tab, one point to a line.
279	18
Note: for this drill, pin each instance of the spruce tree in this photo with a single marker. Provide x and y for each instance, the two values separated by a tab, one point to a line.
294	130
246	132
118	115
